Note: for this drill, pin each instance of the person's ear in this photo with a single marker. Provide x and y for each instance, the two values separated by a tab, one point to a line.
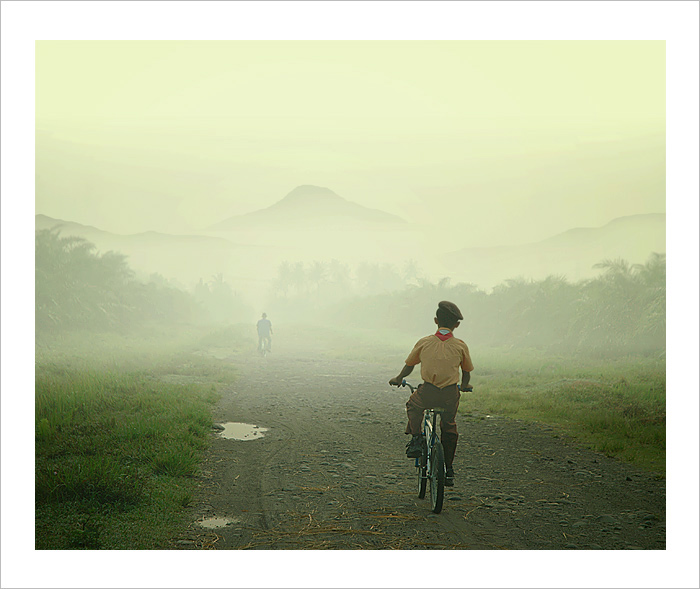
436	321
456	326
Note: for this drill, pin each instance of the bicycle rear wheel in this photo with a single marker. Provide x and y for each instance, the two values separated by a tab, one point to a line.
423	472
437	477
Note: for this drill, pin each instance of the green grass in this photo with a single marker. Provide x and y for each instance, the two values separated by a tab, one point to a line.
121	424
617	407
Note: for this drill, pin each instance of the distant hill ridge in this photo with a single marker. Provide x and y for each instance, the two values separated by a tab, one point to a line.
309	205
634	222
571	253
81	230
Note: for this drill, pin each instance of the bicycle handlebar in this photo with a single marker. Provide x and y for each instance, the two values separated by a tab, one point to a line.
469	388
405	384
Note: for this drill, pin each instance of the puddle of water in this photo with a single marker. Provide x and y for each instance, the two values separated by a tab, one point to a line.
217	522
242	431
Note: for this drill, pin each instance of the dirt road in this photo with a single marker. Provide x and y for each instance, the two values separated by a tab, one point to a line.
330	472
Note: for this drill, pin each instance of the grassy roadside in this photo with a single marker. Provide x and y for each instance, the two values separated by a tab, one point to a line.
615	406
121	423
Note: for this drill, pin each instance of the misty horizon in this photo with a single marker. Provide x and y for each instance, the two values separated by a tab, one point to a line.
353	168
531	138
242	216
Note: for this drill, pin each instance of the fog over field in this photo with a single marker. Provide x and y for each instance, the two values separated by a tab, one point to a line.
292	176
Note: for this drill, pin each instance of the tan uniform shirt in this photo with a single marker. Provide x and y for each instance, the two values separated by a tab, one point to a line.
440	360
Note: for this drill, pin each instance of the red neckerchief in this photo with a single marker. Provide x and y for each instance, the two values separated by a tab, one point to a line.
443	336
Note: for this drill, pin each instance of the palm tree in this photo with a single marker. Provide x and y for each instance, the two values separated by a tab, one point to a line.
653	271
317	274
298	277
284	278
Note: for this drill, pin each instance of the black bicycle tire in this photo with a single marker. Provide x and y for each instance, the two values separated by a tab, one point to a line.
437	477
422	472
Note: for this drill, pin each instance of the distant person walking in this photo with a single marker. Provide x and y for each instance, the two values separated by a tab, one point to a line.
264	333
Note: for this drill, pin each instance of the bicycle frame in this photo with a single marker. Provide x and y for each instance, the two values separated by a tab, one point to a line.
431	463
429	431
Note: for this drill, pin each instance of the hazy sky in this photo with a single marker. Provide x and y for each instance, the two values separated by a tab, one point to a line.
512	141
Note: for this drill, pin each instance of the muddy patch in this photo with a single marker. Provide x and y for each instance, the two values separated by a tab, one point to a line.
212	523
240	431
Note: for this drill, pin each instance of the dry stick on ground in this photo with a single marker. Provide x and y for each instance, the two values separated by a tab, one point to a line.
471	511
206	542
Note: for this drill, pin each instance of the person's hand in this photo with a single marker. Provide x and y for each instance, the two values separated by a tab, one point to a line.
467	388
394	382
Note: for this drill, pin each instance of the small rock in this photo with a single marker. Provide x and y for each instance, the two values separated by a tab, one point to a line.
606	519
571	547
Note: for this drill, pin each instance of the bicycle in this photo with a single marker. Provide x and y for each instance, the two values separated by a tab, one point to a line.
265	346
431	462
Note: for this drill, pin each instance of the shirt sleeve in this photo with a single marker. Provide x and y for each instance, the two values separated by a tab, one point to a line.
467	365
414	356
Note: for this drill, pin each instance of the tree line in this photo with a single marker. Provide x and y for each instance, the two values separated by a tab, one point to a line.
623	309
337	280
76	287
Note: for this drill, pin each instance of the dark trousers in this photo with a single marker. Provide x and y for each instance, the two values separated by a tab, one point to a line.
427	396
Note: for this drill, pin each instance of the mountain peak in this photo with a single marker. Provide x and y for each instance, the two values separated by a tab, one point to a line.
308	195
309	192
308	206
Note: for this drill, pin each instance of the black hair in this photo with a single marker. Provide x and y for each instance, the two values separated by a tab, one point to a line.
446	319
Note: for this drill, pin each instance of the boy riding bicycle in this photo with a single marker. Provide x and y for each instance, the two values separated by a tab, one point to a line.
441	355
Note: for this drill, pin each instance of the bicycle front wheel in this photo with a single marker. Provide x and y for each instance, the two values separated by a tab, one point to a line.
437	477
